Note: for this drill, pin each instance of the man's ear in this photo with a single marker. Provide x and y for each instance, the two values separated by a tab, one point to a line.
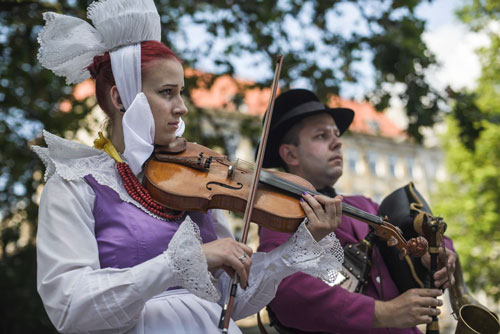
288	154
116	101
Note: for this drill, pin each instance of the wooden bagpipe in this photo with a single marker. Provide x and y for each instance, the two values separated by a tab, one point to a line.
408	210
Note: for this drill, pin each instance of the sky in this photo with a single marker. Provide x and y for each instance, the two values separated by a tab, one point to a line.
449	39
452	44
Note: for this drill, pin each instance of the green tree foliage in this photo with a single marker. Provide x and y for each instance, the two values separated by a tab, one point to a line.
320	49
470	203
470	200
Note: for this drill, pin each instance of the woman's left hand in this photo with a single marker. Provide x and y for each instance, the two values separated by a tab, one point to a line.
323	213
446	263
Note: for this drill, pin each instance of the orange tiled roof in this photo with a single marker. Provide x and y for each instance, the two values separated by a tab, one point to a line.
81	91
222	93
367	119
84	89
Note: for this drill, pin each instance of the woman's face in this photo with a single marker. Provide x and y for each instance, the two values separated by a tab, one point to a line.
163	84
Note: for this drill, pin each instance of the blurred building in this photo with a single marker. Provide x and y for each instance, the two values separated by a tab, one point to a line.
378	156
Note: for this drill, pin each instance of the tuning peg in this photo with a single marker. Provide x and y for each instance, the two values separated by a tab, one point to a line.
402	253
392	241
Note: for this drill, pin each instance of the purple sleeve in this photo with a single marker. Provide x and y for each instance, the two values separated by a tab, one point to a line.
449	244
307	303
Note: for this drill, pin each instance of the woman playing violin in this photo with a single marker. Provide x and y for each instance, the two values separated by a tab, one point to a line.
110	260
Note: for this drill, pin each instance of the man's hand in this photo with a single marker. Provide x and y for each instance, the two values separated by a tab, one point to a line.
407	310
446	265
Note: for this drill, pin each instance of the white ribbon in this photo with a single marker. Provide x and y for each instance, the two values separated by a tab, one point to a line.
138	121
126	66
138	133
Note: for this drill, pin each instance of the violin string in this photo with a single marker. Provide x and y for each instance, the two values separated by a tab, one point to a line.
286	185
291	187
345	207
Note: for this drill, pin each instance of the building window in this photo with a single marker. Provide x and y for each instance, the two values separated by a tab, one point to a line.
392	159
374	126
372	162
352	159
410	167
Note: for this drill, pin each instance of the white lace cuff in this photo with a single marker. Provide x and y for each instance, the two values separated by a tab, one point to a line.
321	259
188	264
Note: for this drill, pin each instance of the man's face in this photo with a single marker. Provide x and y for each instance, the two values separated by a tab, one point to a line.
319	155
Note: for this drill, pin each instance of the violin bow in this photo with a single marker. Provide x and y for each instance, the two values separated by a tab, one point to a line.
226	311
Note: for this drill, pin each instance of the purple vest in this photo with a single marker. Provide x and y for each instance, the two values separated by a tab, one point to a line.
127	236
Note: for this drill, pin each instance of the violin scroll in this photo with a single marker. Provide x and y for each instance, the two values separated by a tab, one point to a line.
415	247
418	246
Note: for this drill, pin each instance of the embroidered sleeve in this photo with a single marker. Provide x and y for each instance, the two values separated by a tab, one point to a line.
321	259
299	253
188	263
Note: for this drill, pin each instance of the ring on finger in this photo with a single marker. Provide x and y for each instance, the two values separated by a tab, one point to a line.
242	258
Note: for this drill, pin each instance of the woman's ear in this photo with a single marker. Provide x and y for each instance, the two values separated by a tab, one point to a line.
288	154
116	101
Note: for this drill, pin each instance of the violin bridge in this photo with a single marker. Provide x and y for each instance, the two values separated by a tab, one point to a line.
230	171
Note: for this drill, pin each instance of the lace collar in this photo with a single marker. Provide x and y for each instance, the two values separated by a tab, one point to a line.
72	161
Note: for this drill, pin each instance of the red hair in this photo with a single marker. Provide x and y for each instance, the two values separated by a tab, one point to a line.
101	71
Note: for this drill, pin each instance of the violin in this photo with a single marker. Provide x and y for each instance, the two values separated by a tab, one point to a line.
190	177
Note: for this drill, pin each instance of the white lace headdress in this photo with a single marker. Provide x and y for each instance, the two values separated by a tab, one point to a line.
68	46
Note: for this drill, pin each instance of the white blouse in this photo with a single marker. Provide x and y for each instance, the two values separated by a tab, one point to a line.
81	297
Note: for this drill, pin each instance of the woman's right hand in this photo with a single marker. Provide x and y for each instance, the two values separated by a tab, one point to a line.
323	213
230	255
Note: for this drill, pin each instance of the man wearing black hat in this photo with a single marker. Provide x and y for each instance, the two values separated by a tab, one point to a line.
304	139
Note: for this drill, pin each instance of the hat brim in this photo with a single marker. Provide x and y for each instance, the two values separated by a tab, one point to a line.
342	116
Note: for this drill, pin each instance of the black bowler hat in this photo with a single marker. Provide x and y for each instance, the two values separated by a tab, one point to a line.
289	108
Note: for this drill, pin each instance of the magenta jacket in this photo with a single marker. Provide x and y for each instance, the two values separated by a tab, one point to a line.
307	303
